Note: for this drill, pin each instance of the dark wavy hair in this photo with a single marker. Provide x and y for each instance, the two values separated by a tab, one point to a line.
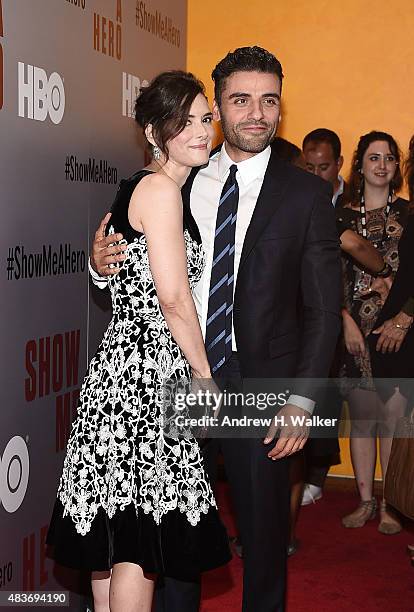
355	179
285	149
244	59
166	103
409	171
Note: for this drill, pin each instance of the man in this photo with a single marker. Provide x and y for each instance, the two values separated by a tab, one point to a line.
283	273
322	152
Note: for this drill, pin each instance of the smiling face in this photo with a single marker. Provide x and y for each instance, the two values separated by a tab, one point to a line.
249	112
192	146
379	164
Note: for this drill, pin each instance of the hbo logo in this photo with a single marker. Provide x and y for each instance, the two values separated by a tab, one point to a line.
14	474
44	96
131	86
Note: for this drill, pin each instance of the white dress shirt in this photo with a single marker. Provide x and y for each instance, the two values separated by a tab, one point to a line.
339	191
205	196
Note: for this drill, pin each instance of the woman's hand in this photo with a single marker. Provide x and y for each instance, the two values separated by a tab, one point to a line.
391	337
354	340
208	401
381	286
198	374
208	394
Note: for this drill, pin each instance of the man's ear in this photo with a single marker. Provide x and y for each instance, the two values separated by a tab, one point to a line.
216	111
148	134
340	162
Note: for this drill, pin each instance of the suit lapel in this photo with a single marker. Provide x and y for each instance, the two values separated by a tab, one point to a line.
270	198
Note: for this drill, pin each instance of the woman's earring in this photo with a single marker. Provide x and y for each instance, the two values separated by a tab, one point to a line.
156	151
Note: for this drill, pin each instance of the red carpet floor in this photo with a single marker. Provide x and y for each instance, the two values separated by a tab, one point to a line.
335	569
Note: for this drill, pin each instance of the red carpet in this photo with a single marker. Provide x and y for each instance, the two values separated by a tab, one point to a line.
335	569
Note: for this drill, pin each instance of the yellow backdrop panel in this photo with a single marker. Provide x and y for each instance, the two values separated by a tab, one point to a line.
348	66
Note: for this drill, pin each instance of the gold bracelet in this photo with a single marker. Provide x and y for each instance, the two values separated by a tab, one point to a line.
398	326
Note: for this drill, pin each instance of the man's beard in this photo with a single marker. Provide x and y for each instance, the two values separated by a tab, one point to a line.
249	144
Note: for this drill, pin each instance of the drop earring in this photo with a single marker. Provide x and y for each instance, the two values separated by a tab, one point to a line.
156	152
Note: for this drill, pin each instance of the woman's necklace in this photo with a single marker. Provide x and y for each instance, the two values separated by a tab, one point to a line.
363	279
378	243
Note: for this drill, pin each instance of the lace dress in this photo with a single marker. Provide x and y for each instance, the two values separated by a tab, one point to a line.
128	492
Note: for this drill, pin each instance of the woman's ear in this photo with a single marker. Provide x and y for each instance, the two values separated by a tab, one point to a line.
148	134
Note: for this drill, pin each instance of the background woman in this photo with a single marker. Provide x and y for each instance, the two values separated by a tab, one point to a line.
392	342
393	328
131	499
379	216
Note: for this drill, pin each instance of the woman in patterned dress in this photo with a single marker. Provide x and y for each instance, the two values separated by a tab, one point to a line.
392	342
133	500
379	216
393	329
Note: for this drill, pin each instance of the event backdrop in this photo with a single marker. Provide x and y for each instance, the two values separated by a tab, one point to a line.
69	73
340	71
348	66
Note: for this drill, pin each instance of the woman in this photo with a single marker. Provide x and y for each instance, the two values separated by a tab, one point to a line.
132	501
392	342
379	216
394	323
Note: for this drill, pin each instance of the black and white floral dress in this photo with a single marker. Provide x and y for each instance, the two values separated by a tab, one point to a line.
128	492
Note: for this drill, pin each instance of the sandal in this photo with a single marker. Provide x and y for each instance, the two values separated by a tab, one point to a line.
366	511
389	524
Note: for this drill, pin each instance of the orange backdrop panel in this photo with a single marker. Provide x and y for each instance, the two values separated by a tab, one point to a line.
348	66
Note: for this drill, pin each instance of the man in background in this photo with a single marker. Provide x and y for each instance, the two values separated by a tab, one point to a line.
322	152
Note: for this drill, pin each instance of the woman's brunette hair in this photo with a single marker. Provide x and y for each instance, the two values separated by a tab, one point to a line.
286	150
409	172
165	105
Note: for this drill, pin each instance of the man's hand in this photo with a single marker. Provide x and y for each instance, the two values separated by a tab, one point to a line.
391	337
292	437
103	254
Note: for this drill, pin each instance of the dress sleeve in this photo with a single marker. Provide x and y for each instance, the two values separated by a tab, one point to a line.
344	218
408	307
401	295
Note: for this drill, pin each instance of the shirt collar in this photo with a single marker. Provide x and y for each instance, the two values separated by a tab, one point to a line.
247	170
339	191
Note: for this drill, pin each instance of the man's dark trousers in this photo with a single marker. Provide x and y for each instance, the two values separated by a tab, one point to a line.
260	493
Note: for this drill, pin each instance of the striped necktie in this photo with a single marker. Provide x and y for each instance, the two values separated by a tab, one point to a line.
220	300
